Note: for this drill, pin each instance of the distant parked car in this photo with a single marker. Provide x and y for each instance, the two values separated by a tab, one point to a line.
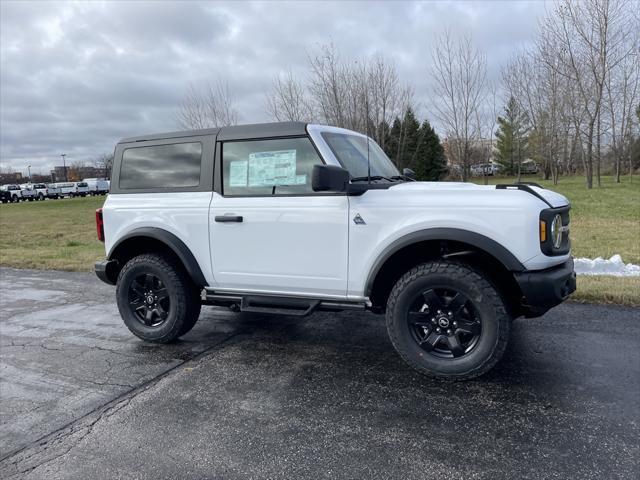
15	191
41	190
97	186
81	189
483	169
28	193
529	167
67	189
53	191
5	196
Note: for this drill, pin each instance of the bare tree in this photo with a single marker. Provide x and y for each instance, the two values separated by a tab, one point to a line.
622	92
459	74
212	106
328	84
104	162
75	170
590	38
487	123
288	100
387	98
362	95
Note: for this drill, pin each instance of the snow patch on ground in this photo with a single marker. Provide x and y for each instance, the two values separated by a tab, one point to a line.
614	266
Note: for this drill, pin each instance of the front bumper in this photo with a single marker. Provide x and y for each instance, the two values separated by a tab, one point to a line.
106	271
544	289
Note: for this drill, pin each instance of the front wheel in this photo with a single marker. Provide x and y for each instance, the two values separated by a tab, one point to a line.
446	320
156	299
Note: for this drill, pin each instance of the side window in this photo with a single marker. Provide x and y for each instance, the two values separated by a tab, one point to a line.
268	167
161	166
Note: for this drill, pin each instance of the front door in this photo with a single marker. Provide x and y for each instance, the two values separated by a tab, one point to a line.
269	232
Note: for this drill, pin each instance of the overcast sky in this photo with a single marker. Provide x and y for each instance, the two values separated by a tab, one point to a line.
76	77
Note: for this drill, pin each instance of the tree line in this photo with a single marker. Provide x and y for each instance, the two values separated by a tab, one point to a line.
570	102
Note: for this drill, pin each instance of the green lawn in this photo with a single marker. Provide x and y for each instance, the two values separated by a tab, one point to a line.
60	234
54	234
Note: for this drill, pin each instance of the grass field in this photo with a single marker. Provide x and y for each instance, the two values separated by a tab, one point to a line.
54	234
60	234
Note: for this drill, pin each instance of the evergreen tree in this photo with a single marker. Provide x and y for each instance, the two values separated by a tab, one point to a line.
392	147
430	163
410	140
512	138
415	146
403	140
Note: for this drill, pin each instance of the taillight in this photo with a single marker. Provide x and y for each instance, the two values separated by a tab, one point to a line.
100	225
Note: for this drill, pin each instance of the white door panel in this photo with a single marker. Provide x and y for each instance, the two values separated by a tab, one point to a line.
292	245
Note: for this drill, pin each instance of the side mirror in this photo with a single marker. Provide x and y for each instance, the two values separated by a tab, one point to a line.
407	172
329	178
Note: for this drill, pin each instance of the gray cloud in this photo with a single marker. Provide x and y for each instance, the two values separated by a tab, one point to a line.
76	77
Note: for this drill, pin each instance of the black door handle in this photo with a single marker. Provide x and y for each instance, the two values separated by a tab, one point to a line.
228	218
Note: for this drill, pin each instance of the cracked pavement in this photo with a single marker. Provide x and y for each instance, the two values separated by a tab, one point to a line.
256	396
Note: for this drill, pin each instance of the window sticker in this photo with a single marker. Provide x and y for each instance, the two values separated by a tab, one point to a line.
273	168
238	173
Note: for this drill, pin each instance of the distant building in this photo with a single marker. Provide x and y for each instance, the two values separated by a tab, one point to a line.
90	172
75	174
10	177
58	174
482	150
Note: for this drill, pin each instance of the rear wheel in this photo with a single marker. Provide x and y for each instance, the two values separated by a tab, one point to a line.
41	197
446	320
156	299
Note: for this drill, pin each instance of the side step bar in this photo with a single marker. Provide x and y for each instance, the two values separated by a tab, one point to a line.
297	306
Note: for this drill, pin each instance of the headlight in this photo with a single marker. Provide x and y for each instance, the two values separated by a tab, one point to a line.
556	231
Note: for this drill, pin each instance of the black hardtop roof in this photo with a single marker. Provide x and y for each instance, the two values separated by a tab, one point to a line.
236	132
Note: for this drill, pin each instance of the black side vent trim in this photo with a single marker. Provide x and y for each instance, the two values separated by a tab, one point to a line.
525	187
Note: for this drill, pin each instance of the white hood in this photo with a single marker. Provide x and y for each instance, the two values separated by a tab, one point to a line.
553	198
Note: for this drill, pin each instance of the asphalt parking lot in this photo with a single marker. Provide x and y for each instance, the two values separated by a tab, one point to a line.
249	396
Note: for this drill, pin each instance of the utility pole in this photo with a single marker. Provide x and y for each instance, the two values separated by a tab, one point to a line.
64	166
29	167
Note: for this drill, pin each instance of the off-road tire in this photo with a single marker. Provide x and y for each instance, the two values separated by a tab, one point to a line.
495	321
183	295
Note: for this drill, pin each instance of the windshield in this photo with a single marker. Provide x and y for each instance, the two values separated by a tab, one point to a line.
351	152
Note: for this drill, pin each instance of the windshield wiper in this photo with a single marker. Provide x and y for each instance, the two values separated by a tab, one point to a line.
404	178
373	177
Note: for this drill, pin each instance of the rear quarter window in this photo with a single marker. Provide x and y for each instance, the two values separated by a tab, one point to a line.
161	166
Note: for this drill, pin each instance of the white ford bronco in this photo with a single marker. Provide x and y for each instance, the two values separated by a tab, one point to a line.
293	218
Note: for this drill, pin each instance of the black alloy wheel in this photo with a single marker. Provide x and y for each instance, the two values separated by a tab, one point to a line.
444	323
149	300
447	320
156	297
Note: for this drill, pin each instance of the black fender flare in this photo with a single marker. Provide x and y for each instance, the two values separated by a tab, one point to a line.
476	240
176	245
